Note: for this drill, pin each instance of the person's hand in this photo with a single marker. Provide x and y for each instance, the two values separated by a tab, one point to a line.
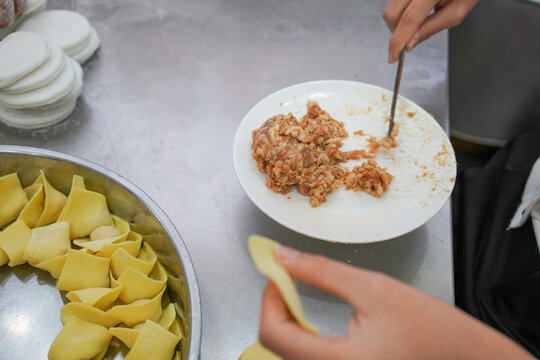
411	23
10	10
391	320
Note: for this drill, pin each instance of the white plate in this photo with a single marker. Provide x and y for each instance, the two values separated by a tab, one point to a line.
423	165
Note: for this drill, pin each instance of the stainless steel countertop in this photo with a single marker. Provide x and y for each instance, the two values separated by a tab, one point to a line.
161	102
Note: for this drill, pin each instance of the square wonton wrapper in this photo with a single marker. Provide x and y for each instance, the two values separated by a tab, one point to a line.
83	271
261	250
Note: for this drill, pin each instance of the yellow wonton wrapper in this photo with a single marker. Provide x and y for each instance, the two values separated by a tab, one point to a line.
77	182
178	285
175	328
88	313
13	241
105	235
101	354
139	311
126	335
85	211
258	352
86	251
183	323
139	286
121	260
83	271
167	317
47	242
12	198
54	202
113	282
4	259
154	340
100	298
104	232
34	207
132	246
54	265
79	339
121	230
261	250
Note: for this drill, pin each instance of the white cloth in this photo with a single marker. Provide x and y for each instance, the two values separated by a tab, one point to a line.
530	202
535	214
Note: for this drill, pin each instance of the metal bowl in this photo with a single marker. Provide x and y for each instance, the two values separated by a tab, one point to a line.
29	304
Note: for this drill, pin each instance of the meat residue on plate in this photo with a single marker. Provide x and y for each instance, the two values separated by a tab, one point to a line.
306	153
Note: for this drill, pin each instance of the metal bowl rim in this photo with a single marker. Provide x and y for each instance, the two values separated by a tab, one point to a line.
153	207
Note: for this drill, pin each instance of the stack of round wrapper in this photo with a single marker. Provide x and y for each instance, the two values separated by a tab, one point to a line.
112	277
66	29
39	84
33	7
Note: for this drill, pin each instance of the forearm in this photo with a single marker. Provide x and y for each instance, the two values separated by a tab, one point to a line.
479	341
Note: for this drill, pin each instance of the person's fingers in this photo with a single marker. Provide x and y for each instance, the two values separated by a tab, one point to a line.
7	12
274	308
19	8
352	284
393	11
281	334
449	15
413	16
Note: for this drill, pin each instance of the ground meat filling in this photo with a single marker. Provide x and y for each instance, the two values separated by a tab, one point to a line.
369	178
305	153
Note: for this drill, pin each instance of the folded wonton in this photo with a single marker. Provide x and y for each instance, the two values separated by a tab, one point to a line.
105	235
132	246
139	286
13	241
153	339
121	260
34	207
79	339
83	271
85	211
88	313
47	242
4	259
12	197
100	298
139	311
53	204
53	265
126	335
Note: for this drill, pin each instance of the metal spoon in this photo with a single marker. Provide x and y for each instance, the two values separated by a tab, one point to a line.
396	90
